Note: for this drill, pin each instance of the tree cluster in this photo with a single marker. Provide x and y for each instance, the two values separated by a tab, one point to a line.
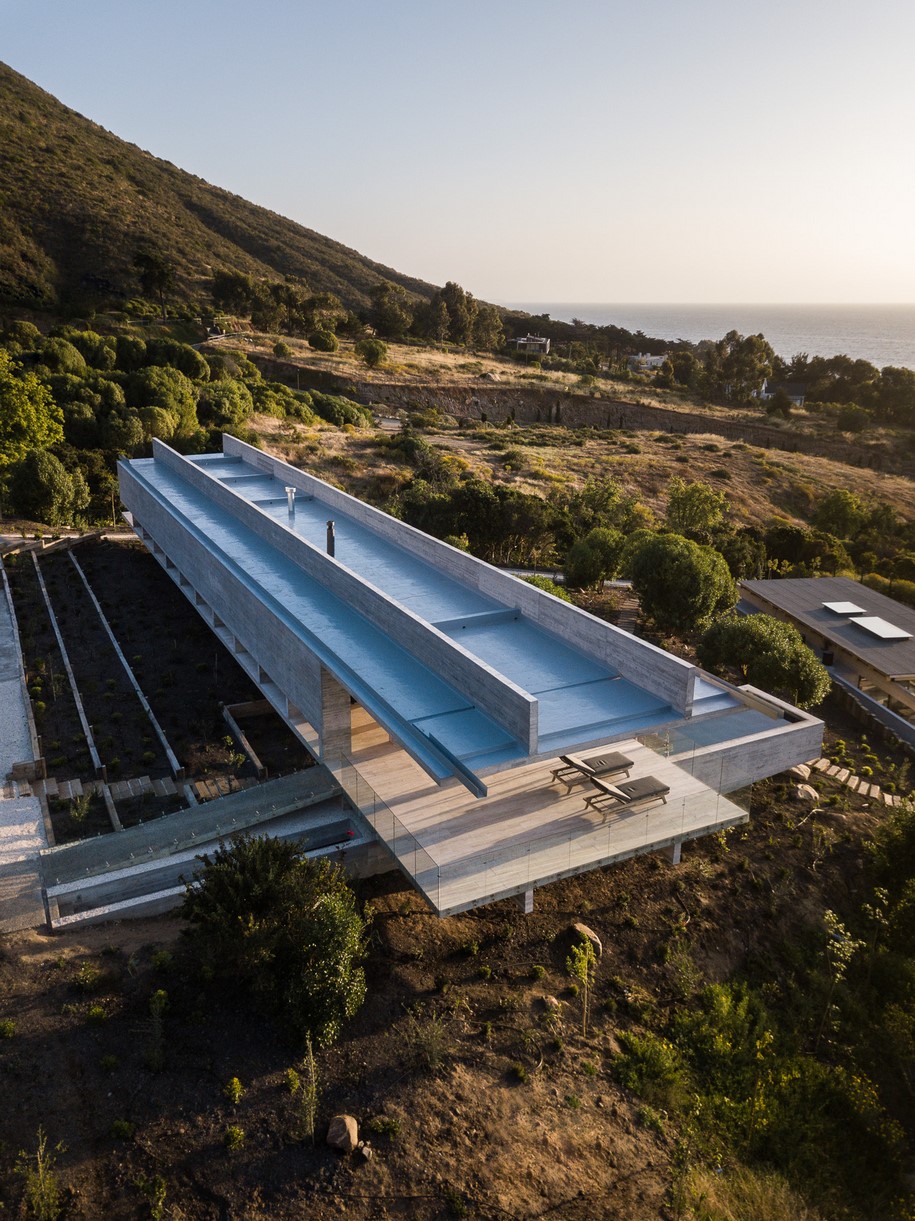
71	402
265	920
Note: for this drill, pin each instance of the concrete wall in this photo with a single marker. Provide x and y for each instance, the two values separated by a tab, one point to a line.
505	702
259	626
662	674
558	405
735	764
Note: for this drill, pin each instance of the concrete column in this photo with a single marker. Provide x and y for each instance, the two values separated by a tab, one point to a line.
336	719
674	851
526	901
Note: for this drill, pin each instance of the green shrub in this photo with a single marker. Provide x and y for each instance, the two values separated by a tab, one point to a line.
234	1138
88	978
301	956
234	1091
323	341
653	1068
122	1129
7	1028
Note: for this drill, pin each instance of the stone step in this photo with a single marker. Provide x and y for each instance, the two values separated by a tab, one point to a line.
822	765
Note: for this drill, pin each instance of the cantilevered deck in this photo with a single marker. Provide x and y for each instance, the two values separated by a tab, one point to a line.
527	831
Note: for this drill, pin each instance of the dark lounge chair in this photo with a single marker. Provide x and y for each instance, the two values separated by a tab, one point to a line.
576	769
626	795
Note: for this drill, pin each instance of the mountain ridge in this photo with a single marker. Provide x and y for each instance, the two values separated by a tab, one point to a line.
78	204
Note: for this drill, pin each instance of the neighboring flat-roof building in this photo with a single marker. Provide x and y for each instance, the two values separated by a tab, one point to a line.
867	638
535	344
441	691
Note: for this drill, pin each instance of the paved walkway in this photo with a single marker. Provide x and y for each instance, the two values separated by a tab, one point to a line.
22	834
862	787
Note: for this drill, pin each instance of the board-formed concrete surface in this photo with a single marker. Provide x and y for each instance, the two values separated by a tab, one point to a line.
22	834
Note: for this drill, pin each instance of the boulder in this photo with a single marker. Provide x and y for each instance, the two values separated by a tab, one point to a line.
806	792
343	1133
800	771
553	1003
588	934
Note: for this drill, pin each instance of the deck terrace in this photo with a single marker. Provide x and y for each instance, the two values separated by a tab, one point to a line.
526	832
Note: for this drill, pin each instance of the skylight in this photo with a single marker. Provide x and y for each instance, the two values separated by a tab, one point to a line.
879	627
844	608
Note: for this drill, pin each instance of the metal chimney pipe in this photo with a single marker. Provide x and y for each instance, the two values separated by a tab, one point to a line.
290	497
330	538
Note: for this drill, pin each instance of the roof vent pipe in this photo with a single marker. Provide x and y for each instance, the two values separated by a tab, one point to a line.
290	497
330	538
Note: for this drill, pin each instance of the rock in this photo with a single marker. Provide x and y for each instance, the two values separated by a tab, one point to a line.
366	1152
582	930
489	377
343	1133
806	792
552	1003
801	771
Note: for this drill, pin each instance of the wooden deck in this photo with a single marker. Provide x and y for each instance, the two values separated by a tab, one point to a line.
463	851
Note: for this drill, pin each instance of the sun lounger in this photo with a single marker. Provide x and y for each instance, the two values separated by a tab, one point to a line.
627	794
576	769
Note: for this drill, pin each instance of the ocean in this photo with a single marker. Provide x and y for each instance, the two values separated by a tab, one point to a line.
881	334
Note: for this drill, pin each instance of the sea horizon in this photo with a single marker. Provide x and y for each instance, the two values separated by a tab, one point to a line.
881	334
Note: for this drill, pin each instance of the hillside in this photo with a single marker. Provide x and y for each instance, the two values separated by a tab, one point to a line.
77	204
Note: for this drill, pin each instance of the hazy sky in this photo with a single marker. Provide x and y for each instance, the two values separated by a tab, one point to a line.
671	150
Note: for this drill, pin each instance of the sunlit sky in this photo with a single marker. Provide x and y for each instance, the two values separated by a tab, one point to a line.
665	151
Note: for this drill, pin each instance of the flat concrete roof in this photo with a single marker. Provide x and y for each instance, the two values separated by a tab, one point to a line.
804	600
472	670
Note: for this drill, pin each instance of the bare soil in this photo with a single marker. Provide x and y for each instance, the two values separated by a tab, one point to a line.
185	672
474	1102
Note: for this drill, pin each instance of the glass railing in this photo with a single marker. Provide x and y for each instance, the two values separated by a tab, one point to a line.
579	838
196	827
400	842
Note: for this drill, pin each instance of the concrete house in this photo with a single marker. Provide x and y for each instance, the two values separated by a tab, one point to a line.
457	707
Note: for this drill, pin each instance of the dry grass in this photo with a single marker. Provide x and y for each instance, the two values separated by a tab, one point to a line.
744	1195
760	484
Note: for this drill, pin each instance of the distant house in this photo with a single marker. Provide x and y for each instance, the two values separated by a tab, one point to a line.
535	344
866	638
795	391
645	363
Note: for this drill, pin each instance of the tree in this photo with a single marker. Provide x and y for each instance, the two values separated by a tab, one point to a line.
157	275
594	559
840	513
162	386
767	654
392	310
462	311
680	584
29	417
264	918
225	403
582	966
41	489
694	508
487	328
852	418
372	351
737	365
